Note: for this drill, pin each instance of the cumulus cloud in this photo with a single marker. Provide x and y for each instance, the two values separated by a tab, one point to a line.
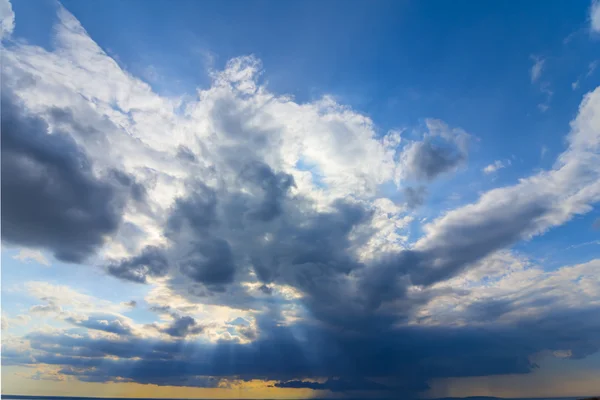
102	322
273	213
51	198
183	326
7	21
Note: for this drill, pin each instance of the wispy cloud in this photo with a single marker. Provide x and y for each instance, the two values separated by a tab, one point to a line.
537	68
26	255
595	16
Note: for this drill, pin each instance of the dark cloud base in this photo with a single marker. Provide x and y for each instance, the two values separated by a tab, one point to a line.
51	199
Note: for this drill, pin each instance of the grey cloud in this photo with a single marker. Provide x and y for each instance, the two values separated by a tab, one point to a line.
100	322
442	150
274	187
415	197
334	385
210	262
51	307
427	160
184	153
198	211
50	197
183	326
152	262
407	357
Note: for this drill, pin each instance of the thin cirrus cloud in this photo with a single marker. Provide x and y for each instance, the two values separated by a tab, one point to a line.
268	213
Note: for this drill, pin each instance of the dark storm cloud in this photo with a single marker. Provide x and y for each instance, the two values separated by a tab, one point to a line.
334	385
152	262
198	211
50	197
408	357
210	262
183	326
274	187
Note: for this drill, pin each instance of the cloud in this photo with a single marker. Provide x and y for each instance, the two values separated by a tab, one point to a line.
415	196
442	150
7	21
183	326
495	166
26	255
102	322
334	385
537	68
49	308
150	262
275	211
131	303
51	199
595	16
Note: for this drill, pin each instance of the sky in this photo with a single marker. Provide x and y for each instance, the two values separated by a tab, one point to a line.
300	199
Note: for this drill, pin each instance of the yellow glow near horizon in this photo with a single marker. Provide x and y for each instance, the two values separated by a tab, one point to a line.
17	380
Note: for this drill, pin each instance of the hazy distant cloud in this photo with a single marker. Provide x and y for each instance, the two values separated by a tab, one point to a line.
595	16
334	385
537	68
415	197
102	322
51	307
131	303
26	255
591	68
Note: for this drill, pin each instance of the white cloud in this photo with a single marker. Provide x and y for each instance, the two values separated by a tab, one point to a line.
7	19
332	151
504	215
537	68
524	288
26	255
495	166
57	298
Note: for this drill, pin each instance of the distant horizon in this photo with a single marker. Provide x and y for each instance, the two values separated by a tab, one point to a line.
203	398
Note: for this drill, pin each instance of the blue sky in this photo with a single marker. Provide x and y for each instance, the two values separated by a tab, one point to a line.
407	188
